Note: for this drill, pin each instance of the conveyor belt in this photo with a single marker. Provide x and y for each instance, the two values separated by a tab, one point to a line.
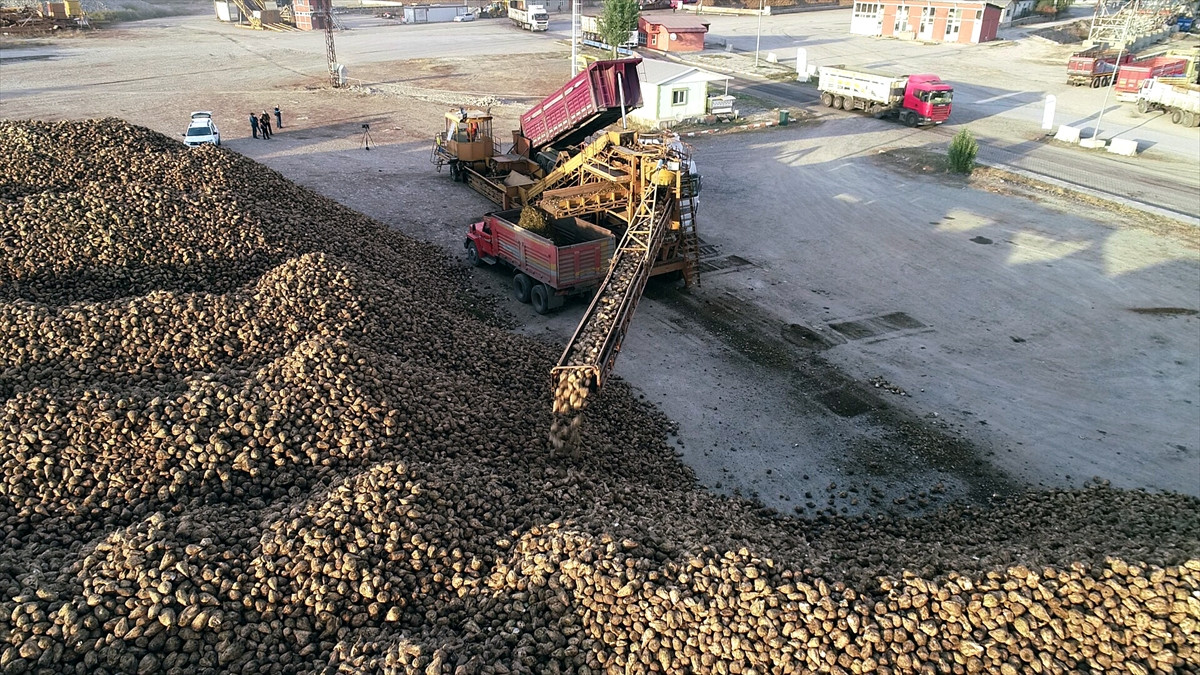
592	351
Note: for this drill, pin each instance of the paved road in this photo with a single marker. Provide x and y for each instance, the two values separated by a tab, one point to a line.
1163	183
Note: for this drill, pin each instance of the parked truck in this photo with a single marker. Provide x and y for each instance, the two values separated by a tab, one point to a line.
913	99
1176	96
1131	75
1094	67
527	15
589	28
546	270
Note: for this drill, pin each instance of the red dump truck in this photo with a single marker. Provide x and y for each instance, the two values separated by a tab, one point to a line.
592	100
1094	67
545	271
912	99
1131	75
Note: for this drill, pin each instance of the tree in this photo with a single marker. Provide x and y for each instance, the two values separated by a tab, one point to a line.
617	21
963	149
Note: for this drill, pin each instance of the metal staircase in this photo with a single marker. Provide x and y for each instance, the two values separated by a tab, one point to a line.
689	238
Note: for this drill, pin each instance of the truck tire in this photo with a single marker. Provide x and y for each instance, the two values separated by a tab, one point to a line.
1176	116
827	99
908	119
473	255
1143	105
1189	120
848	104
540	297
521	286
837	101
1097	82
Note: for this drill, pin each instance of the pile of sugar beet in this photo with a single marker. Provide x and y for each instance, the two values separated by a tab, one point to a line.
247	430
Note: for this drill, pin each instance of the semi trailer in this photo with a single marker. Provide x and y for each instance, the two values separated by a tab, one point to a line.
1094	67
913	99
1131	75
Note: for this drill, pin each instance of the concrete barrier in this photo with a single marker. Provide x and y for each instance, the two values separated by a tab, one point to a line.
1067	134
1123	146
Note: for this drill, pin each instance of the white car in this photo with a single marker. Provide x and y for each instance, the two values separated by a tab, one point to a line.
470	16
202	130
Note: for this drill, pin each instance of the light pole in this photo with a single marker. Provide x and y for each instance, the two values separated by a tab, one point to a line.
1116	72
758	40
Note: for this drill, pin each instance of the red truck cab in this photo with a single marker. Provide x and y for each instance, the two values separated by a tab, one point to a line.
484	249
928	97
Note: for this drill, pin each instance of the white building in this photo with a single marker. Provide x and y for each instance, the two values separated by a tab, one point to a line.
672	92
1011	10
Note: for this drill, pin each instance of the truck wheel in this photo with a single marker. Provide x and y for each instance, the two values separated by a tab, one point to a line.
1143	105
540	297
521	286
848	103
1097	83
473	254
1176	117
837	101
1188	120
908	119
827	99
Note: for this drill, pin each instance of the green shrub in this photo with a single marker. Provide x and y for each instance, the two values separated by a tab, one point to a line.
962	152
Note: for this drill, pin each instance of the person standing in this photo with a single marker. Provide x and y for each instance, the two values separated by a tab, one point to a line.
278	118
254	124
264	121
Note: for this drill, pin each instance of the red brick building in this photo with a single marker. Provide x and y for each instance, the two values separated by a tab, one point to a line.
967	21
673	32
311	14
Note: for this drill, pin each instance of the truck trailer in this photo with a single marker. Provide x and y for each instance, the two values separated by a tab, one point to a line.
545	270
1175	96
1094	67
528	16
913	99
1131	75
589	28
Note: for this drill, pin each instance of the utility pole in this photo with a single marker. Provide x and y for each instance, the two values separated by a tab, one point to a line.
758	40
330	55
574	38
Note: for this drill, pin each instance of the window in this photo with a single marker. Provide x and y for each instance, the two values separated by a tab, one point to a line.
679	96
953	24
901	19
866	10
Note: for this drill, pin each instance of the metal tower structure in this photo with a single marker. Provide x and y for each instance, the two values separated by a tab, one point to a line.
1116	29
330	54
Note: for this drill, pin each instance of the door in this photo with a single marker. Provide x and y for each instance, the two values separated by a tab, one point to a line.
926	30
901	25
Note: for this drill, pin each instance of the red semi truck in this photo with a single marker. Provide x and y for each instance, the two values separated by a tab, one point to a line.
1131	75
1094	67
545	271
913	99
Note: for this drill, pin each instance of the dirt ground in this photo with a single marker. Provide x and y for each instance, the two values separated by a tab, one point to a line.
866	336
